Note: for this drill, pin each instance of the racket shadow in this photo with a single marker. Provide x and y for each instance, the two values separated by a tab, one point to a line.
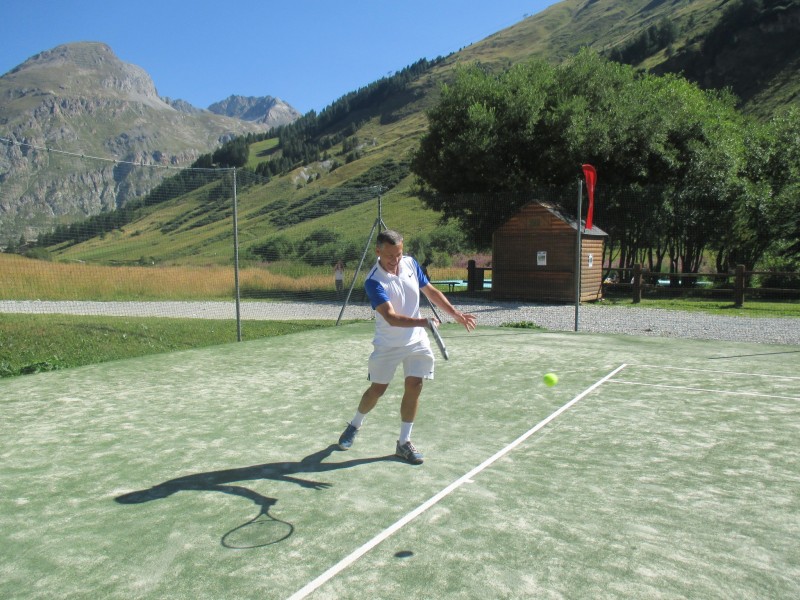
251	534
262	530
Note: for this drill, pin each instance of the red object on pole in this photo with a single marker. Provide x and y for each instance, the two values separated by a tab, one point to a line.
590	174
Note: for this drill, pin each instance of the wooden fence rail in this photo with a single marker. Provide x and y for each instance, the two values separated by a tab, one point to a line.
641	280
738	291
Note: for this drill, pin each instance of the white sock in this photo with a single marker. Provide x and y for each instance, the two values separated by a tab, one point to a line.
358	420
405	432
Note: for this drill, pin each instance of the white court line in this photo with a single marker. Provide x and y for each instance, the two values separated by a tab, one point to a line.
389	531
694	389
712	371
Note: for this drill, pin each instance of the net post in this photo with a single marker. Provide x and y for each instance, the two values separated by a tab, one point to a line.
472	276
738	288
578	250
236	261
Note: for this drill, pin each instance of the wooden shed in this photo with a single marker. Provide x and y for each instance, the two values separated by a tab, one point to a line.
533	257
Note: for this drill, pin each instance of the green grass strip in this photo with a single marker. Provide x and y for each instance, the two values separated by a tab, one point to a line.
787	309
38	343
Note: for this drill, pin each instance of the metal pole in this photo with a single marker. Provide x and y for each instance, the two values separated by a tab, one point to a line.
358	270
376	225
380	207
236	261
578	250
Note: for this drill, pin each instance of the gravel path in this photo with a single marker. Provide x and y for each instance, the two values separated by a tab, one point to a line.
592	317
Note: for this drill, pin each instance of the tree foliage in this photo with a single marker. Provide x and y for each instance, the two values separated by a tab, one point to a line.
232	154
535	124
766	223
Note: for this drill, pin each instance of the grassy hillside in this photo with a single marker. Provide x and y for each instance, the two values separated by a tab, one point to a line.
195	230
759	62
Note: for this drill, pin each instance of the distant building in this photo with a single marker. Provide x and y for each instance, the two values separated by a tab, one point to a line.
533	257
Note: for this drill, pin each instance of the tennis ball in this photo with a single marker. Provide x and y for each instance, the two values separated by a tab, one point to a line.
550	379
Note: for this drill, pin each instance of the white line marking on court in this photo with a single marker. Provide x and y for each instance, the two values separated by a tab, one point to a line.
712	371
389	531
694	389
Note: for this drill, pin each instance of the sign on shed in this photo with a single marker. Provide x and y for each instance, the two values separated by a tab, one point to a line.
533	257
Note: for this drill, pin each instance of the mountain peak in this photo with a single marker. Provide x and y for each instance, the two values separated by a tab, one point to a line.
259	109
72	69
81	54
81	98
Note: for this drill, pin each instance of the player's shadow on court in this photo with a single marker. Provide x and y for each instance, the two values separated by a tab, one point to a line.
220	481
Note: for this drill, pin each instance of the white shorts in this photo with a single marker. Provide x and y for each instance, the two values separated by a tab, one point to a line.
417	360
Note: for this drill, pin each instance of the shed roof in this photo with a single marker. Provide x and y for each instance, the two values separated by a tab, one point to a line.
558	213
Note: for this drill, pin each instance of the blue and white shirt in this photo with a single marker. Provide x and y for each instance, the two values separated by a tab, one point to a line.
402	291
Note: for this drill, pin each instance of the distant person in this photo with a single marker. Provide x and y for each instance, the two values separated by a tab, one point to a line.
393	286
338	277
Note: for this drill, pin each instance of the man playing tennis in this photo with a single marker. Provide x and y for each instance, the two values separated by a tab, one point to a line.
393	286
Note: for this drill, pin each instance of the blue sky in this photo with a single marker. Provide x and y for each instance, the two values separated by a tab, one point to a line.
306	52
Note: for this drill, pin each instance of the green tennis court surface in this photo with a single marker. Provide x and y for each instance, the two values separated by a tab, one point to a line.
657	468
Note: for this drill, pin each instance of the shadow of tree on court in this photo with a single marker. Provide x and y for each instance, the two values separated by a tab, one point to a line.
220	481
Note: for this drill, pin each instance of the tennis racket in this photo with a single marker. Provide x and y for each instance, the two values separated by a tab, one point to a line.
438	338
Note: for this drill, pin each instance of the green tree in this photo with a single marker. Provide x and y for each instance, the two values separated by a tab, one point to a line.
767	207
535	124
233	154
784	174
276	248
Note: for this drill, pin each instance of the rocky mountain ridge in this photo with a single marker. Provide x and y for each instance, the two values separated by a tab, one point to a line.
265	109
81	99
